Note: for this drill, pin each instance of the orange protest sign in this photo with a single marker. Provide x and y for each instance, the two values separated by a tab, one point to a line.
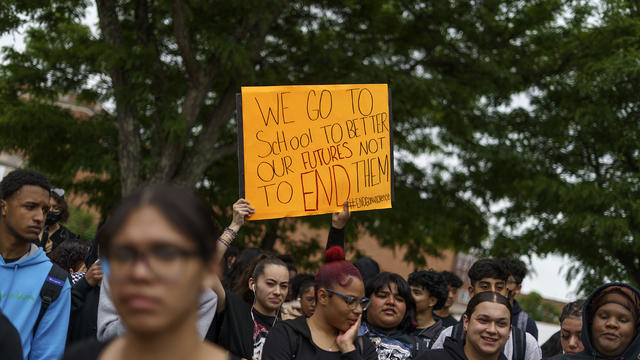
305	150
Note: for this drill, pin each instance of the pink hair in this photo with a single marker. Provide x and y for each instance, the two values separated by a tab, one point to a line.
336	270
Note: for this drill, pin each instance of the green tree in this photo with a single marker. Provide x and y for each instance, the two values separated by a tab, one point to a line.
566	169
169	72
82	222
538	309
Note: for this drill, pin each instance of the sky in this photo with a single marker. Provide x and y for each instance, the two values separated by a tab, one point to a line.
547	276
548	279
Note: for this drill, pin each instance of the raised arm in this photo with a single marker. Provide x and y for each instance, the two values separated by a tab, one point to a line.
338	222
241	210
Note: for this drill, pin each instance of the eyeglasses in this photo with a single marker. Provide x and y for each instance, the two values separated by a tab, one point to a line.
165	262
352	301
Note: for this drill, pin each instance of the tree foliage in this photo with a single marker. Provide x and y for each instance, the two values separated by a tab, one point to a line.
566	169
539	310
82	223
168	72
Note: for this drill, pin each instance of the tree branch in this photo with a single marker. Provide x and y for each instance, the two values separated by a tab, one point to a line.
627	258
199	84
129	152
181	31
205	151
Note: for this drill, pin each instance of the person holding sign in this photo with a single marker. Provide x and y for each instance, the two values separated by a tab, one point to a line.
245	316
306	149
331	332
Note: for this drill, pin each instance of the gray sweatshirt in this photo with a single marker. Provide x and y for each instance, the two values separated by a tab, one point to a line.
110	326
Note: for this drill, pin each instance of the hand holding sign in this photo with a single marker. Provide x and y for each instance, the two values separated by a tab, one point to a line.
340	219
307	149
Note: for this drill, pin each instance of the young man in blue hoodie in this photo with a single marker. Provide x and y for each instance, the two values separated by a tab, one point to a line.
24	267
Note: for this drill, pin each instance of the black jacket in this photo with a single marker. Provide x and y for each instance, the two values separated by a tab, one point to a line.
452	350
590	353
61	235
84	311
426	337
10	344
233	327
560	356
291	339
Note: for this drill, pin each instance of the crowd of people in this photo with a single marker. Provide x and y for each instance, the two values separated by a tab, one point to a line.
159	281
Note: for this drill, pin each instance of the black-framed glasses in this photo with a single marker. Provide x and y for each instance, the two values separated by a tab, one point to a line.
352	301
165	262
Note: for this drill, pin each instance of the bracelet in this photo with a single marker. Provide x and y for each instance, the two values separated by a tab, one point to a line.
224	242
231	232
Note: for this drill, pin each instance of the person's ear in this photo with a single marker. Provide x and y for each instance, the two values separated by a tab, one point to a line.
3	207
517	290
322	296
465	322
252	285
432	301
471	291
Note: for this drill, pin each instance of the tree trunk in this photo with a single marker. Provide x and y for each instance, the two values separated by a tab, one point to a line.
271	235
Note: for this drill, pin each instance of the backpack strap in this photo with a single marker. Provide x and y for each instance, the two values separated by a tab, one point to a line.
519	344
521	320
50	291
458	331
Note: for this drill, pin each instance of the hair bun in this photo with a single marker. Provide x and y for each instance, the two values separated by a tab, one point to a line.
334	253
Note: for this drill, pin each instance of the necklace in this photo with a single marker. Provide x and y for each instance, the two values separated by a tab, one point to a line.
312	327
334	343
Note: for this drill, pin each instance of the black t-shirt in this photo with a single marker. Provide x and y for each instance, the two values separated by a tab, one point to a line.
261	326
264	320
446	321
327	355
91	350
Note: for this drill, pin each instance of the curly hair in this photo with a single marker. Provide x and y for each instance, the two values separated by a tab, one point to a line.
434	283
301	283
515	268
69	254
16	179
452	279
572	309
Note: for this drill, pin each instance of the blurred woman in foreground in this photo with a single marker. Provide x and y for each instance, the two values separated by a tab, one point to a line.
159	245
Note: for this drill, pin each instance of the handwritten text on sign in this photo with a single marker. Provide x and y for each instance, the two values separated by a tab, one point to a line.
308	149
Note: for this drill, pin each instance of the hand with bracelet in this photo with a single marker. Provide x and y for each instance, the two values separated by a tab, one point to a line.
241	210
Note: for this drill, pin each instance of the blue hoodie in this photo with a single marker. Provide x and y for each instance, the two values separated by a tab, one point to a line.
20	284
